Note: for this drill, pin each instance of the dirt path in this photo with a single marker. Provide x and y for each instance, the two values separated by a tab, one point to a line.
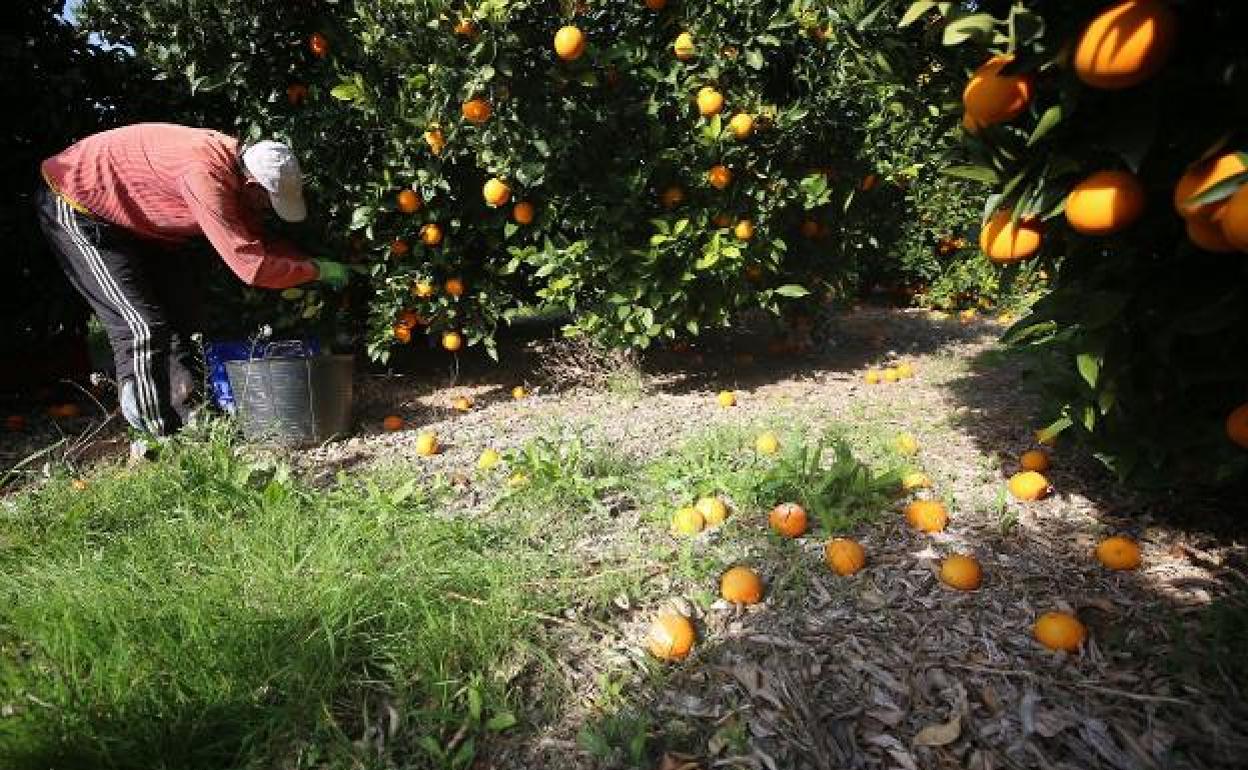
888	669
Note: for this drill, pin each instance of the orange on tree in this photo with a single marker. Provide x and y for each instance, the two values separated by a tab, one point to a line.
927	515
1004	241
744	230
410	318
399	248
741	125
741	585
452	341
431	234
1034	460
402	333
427	444
684	47
1207	234
569	43
522	213
465	27
318	44
809	228
409	201
719	177
710	101
868	182
392	423
422	290
496	192
1028	486
1118	553
714	511
961	572
656	5
721	220
1125	44
673	196
1059	631
844	556
671	636
296	93
436	140
1234	219
1202	176
454	287
688	521
1237	425
788	519
990	97
1105	202
476	111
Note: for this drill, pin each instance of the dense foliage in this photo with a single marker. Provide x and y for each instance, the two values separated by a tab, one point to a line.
832	188
1141	339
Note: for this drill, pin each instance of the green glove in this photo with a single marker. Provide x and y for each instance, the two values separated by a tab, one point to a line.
332	274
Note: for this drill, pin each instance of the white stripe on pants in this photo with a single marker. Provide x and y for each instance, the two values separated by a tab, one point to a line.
141	334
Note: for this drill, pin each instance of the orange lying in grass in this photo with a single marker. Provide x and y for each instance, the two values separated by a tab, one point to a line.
1028	486
1034	460
462	404
927	515
873	377
1118	553
427	444
488	459
688	521
844	556
961	572
671	636
1059	631
891	375
1125	44
915	480
905	371
726	398
907	444
766	444
519	393
788	519
741	585
713	510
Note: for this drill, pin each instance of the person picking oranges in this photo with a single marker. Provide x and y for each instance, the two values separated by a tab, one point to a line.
117	206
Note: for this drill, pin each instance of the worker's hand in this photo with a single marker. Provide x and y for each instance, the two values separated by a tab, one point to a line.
332	274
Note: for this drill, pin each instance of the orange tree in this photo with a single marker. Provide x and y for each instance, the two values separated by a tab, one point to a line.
651	169
1112	137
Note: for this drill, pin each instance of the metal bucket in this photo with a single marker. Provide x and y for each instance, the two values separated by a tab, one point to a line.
293	400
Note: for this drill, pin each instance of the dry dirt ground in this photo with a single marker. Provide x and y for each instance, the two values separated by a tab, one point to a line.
888	668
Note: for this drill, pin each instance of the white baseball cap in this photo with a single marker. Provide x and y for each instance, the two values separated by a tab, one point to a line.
274	166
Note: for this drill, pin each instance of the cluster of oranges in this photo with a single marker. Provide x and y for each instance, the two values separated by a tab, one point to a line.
901	371
1123	46
671	635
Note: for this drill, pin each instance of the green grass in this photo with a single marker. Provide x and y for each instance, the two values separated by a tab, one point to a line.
208	612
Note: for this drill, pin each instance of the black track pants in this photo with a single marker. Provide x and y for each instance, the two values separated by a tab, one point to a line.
148	303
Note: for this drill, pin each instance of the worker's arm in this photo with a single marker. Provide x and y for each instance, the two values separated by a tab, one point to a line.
214	202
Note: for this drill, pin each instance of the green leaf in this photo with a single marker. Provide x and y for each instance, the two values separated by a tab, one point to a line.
916	11
1220	191
501	721
792	290
1089	366
976	27
347	91
1051	117
973	173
